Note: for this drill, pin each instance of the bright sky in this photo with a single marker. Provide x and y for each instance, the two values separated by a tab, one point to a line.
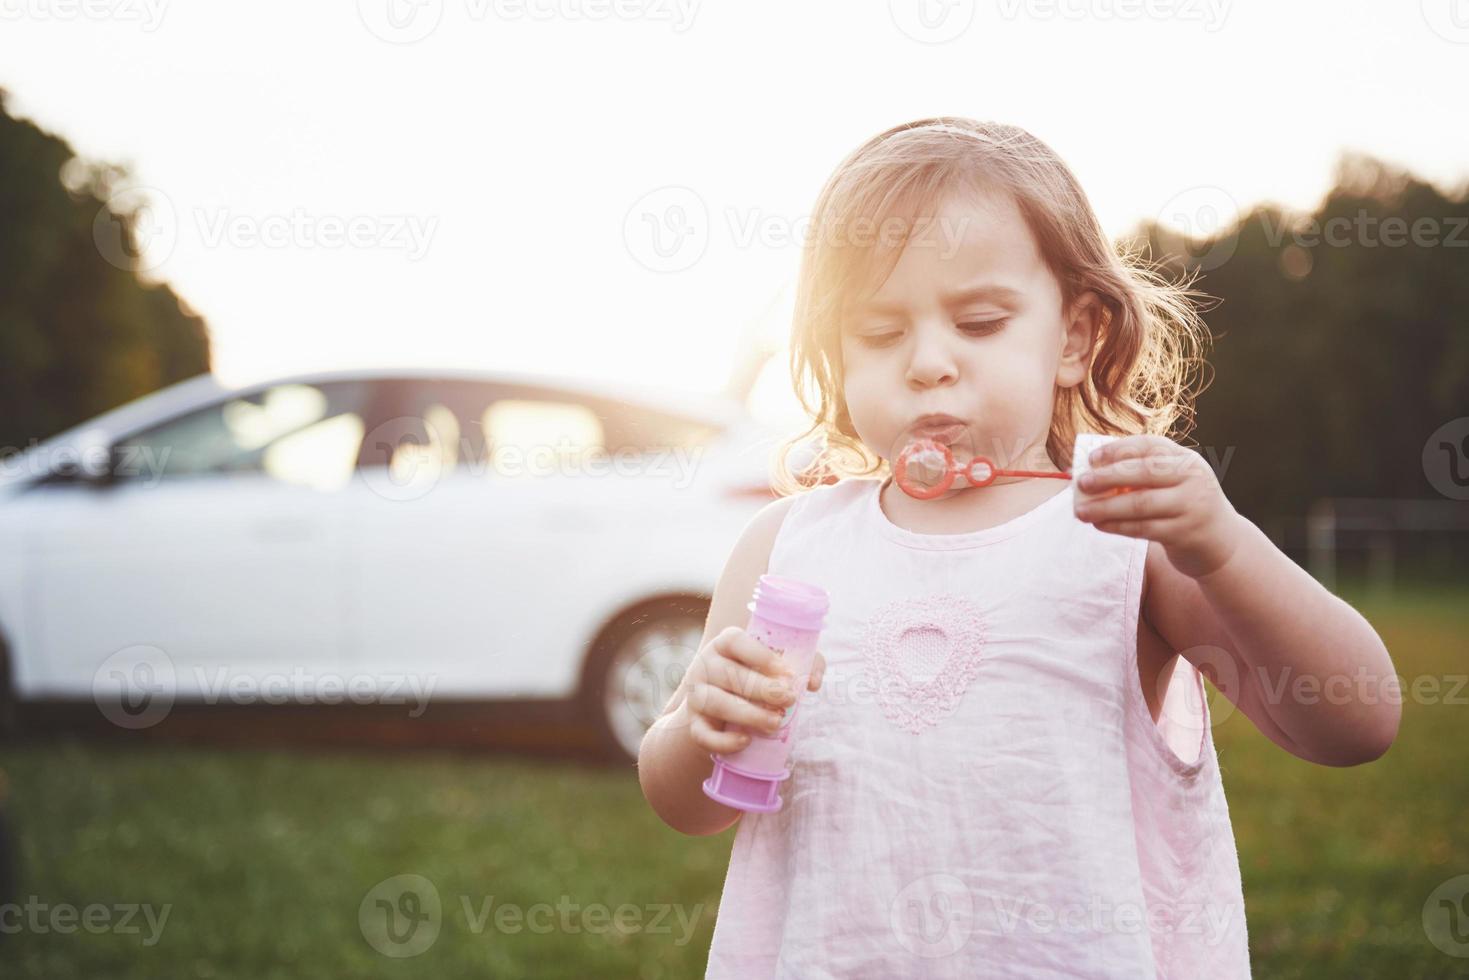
487	182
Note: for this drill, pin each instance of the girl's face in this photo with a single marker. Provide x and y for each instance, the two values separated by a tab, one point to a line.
969	324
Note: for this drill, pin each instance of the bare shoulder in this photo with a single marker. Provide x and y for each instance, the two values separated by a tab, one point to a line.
748	560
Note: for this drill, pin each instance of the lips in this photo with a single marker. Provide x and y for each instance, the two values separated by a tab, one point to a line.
940	428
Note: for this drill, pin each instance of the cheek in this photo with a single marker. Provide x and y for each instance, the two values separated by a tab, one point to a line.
1025	367
863	393
860	379
1014	392
860	399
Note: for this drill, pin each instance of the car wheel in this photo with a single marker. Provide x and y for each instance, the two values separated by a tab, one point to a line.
636	668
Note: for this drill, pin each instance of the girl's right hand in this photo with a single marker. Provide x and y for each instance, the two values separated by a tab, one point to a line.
736	678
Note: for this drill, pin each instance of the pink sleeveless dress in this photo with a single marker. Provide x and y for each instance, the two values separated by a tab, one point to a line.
978	789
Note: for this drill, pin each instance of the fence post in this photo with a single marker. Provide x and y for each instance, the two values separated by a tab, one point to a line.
1321	542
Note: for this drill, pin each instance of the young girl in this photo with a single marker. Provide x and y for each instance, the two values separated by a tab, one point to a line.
1006	768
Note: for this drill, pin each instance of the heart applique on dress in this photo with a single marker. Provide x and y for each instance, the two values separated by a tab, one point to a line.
921	653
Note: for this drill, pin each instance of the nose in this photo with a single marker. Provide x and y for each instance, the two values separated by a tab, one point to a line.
931	362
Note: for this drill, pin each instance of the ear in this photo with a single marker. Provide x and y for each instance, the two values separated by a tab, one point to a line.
1079	333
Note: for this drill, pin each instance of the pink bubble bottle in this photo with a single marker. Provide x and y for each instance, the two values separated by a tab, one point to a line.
787	615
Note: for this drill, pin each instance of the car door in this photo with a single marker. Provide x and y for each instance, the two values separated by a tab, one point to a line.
438	594
222	546
501	503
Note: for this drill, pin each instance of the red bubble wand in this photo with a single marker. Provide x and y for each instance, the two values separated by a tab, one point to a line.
935	461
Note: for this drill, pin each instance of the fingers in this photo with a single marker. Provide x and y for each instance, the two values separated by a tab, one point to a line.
707	737
1136	506
735	677
734	643
1157	470
741	681
1152	530
1128	447
720	705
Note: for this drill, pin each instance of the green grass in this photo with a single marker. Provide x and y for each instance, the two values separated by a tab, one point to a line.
1339	863
264	856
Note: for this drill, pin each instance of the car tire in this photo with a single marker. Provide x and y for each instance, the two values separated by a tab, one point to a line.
635	667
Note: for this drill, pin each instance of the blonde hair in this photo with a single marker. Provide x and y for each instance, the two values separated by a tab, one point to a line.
1150	337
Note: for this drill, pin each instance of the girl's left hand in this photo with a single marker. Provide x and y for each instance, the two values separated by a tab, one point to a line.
1165	493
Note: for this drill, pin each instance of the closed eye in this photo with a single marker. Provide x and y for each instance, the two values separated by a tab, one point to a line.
973	328
981	327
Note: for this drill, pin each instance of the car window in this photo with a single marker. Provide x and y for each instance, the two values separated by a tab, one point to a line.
490	427
541	434
300	434
424	426
423	445
537	434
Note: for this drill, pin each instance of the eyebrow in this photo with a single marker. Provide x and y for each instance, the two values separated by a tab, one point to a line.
995	292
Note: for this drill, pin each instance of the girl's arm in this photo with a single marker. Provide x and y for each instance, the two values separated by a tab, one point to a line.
1304	665
672	768
672	764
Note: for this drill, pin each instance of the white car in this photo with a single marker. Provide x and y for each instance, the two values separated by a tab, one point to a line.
377	537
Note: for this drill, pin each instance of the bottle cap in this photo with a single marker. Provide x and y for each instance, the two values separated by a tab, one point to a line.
790	602
742	789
